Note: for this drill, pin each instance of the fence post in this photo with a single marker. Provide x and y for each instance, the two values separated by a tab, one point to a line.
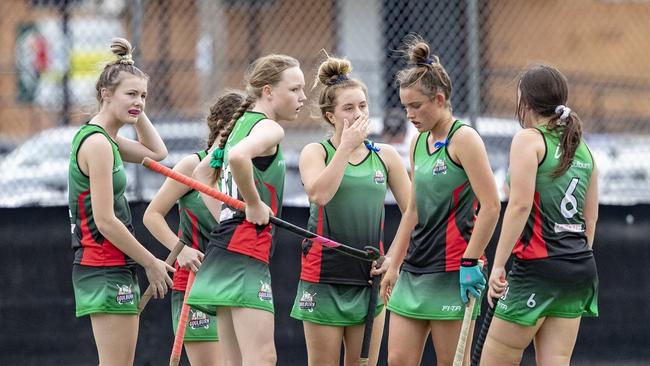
471	12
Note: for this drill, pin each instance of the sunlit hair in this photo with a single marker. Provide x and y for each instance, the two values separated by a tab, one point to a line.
333	75
265	70
110	77
425	72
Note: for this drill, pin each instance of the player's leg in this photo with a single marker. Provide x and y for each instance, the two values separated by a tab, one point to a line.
116	336
506	342
406	338
323	343
202	353
254	329
353	340
444	336
555	340
229	352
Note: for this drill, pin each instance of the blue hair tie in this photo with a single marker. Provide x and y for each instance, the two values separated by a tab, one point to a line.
339	79
370	145
427	62
439	144
217	159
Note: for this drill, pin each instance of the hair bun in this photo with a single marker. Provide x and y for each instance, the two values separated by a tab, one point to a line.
121	47
334	70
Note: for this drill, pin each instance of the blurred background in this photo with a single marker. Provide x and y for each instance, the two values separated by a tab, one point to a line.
52	52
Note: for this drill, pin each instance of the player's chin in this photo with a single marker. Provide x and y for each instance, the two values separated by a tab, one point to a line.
130	119
292	116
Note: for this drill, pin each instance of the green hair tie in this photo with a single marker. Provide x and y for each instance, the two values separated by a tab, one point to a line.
217	159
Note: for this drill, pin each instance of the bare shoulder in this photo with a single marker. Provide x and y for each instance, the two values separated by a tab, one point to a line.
312	150
528	136
187	164
467	134
266	126
387	151
386	148
528	140
95	151
96	143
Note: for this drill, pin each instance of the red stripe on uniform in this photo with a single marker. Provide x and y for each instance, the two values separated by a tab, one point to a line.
195	228
312	262
245	239
274	201
95	254
536	247
455	243
181	275
381	242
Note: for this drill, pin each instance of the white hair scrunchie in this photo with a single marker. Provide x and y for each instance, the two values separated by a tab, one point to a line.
128	60
563	111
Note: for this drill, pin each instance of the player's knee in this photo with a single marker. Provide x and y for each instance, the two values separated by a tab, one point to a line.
443	359
499	352
266	356
552	360
397	358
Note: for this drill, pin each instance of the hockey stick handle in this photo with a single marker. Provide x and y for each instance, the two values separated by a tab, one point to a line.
177	348
366	255
485	326
370	320
171	258
464	329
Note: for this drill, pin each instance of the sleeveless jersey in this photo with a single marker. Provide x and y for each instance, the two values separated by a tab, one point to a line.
89	245
354	216
556	225
194	227
234	233
446	208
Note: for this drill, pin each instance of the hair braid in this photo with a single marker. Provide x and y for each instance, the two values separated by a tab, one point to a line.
221	113
230	125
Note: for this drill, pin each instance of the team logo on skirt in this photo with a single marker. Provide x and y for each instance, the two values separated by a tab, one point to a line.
265	293
439	167
379	177
124	294
198	319
307	301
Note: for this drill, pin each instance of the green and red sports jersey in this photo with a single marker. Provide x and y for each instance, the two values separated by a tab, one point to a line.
194	227
556	225
89	245
234	232
354	216
446	207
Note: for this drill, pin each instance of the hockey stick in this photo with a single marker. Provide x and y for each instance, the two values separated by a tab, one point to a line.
368	254
464	329
171	258
182	324
370	318
478	348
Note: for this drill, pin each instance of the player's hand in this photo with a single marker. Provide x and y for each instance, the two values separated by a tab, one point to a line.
471	279
158	278
497	284
390	275
190	258
258	214
354	133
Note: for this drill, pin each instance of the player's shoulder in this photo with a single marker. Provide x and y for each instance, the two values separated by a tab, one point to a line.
188	163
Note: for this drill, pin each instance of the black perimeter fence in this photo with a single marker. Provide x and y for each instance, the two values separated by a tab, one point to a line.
38	324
